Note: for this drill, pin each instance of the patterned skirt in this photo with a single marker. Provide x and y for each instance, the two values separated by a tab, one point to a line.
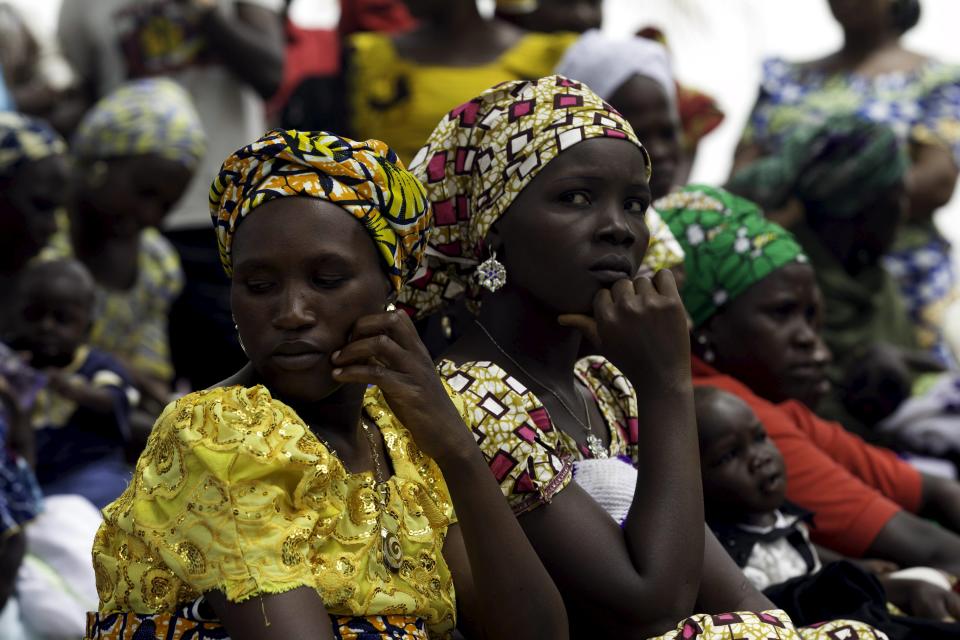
197	622
767	625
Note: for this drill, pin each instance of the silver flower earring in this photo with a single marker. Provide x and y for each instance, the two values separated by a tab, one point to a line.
491	274
390	308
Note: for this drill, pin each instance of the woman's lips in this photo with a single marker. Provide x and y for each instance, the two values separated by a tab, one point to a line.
612	268
608	276
297	355
297	361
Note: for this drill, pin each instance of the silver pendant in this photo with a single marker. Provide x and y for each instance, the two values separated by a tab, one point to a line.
390	547
595	445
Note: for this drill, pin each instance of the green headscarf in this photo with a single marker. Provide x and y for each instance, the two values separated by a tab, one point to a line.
835	168
728	243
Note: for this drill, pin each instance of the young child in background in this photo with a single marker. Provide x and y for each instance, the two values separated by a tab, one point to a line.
744	492
81	417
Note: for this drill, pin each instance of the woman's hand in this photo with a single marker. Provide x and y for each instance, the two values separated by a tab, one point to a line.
385	350
922	599
879	381
640	325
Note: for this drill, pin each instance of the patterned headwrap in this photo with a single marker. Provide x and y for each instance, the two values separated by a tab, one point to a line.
729	246
24	139
153	116
364	178
664	252
835	168
478	160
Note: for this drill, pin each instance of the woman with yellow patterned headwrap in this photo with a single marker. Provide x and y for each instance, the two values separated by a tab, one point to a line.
135	152
296	488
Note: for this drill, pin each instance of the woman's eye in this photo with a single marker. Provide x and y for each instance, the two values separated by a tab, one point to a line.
328	283
580	198
259	286
783	310
636	206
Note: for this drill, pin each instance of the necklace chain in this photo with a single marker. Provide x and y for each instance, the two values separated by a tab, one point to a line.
391	551
377	470
594	444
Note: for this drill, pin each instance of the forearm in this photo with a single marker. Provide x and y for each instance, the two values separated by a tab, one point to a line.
668	498
931	181
941	501
724	587
505	568
97	399
911	541
254	55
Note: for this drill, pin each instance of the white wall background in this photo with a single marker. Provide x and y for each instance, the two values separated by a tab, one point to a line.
717	46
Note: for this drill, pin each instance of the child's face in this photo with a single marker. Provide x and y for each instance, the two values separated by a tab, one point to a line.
743	472
54	320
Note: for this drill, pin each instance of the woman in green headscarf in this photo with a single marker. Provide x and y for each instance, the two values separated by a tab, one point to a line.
757	316
849	176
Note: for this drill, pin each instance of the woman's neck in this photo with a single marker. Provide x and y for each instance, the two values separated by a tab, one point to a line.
530	334
858	46
336	419
113	262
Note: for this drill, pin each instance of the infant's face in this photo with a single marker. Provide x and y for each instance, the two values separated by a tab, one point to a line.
743	472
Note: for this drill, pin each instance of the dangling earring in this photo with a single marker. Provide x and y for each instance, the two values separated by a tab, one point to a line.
491	274
390	308
708	354
239	339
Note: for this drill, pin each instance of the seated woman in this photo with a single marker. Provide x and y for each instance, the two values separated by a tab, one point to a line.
848	176
875	76
137	149
296	491
540	192
756	312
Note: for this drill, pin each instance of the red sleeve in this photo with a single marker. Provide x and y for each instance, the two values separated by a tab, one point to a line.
878	467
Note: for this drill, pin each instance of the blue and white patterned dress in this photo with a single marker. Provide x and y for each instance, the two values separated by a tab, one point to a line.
923	108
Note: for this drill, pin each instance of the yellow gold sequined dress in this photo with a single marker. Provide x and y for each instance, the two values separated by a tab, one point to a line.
235	493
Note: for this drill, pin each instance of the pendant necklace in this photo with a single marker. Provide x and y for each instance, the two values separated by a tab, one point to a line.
594	444
390	552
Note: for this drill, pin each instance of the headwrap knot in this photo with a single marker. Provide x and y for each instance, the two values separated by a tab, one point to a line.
728	245
364	178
